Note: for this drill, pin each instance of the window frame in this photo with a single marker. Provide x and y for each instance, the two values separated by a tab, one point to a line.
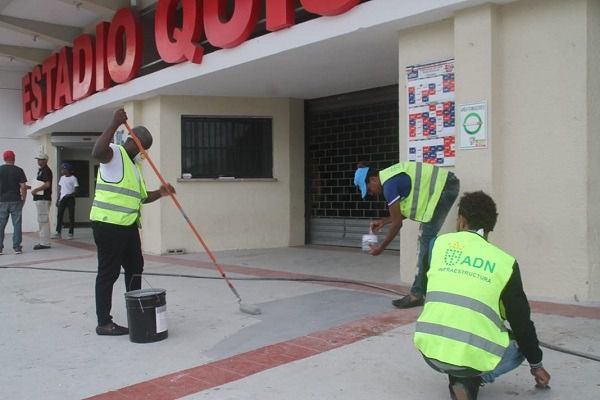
234	144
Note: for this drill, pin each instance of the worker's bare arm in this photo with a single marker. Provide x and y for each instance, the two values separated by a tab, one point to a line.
102	151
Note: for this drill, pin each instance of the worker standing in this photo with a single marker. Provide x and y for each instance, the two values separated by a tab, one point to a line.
412	190
115	214
471	287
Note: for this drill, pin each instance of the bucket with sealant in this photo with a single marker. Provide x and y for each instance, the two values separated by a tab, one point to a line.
147	315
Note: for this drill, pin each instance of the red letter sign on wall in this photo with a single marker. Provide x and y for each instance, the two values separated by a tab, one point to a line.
235	31
280	14
49	72
124	63
176	44
116	55
83	67
26	98
63	94
38	106
102	75
328	7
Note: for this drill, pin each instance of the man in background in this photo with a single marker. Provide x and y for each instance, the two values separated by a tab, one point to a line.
13	192
67	189
42	196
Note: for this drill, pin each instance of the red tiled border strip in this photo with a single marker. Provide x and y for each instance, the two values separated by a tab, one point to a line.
194	380
565	310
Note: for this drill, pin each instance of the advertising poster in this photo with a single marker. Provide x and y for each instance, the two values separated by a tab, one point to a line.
431	113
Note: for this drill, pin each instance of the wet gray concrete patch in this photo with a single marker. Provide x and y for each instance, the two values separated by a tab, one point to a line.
300	315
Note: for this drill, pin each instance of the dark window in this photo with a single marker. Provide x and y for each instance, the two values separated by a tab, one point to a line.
213	147
341	131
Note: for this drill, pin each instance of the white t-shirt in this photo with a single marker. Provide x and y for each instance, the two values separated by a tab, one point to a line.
67	185
112	171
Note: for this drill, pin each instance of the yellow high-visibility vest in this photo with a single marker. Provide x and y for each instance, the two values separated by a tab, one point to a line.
462	323
426	185
119	203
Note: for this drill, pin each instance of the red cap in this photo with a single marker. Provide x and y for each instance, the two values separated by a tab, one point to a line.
9	155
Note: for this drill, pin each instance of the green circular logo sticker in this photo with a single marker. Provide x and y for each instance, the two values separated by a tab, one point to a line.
472	123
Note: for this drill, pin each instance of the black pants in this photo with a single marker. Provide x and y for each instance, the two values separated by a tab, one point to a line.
118	246
67	202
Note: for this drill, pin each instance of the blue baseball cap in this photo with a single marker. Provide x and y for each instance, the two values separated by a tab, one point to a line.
360	180
67	166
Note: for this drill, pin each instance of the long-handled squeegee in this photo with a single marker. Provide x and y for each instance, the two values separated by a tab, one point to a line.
245	308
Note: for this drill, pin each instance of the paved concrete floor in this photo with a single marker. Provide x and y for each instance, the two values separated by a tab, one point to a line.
312	340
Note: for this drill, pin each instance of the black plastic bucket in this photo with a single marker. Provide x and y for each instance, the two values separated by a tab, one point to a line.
147	315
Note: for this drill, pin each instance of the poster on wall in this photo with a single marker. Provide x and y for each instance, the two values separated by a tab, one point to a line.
431	113
473	125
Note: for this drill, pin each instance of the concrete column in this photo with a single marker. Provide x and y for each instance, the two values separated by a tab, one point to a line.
147	113
133	110
471	41
593	164
420	45
296	160
475	54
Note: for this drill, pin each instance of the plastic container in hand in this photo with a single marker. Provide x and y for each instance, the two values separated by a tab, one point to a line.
368	240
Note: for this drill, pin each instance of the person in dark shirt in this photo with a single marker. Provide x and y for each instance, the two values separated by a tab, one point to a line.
13	192
42	196
464	297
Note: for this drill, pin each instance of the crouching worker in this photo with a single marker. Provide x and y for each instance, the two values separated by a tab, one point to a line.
472	287
120	192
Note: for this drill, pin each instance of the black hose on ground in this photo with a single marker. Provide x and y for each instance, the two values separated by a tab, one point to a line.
323	280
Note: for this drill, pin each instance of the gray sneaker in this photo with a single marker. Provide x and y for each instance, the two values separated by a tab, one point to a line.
55	235
70	236
18	250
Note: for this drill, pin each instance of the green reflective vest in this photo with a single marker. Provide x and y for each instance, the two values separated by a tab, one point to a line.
119	203
461	323
426	185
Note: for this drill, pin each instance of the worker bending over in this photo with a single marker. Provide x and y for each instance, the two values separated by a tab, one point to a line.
412	190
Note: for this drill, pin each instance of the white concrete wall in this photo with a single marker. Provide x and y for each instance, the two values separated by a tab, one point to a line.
593	150
232	214
12	136
540	166
534	77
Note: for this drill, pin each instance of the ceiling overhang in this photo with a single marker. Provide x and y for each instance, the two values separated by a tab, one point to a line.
321	57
